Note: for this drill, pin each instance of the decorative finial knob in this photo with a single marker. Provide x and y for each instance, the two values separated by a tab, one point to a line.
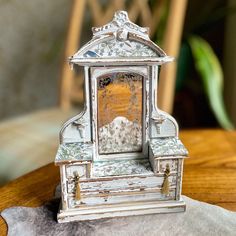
121	17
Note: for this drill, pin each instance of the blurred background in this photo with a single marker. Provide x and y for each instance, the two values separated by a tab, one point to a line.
38	92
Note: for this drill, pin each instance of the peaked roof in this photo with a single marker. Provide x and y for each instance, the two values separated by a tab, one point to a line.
118	41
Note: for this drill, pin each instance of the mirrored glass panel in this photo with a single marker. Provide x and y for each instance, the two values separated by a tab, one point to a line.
120	109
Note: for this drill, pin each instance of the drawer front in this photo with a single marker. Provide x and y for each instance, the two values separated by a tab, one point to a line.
151	183
121	190
83	170
106	199
72	171
160	165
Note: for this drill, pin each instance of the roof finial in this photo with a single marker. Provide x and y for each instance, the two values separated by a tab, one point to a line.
120	22
121	17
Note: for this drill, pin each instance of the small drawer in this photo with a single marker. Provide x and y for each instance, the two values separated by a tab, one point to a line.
83	170
160	165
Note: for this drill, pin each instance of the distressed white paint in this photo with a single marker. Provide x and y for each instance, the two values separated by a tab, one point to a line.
83	170
78	128
120	184
119	210
140	182
115	199
122	168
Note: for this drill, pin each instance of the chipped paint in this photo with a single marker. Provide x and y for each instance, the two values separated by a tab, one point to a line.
118	157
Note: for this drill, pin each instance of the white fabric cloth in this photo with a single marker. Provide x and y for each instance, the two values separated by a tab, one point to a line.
199	219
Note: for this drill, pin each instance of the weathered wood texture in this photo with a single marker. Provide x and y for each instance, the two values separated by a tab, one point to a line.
209	174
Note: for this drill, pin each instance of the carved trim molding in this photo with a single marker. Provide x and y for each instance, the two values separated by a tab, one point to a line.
121	25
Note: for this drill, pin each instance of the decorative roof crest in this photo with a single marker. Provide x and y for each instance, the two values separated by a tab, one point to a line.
121	26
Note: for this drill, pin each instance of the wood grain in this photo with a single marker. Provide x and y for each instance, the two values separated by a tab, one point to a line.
209	174
32	190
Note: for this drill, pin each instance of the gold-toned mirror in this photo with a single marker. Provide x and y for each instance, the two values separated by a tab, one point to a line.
120	109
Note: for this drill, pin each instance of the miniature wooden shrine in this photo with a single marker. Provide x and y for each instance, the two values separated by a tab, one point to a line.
121	155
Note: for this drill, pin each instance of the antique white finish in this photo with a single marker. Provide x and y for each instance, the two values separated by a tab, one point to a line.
121	155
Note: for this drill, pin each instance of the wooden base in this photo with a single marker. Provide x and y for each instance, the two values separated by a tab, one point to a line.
119	210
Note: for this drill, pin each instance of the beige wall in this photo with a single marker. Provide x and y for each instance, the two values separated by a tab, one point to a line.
31	46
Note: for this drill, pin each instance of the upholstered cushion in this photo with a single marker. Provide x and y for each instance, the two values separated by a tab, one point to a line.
30	141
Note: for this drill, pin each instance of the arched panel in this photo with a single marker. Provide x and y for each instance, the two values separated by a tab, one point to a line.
120	112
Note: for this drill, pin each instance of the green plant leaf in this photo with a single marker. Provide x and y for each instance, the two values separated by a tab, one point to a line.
208	66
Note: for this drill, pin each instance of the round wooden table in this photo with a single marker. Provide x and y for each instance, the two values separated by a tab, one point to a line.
209	174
